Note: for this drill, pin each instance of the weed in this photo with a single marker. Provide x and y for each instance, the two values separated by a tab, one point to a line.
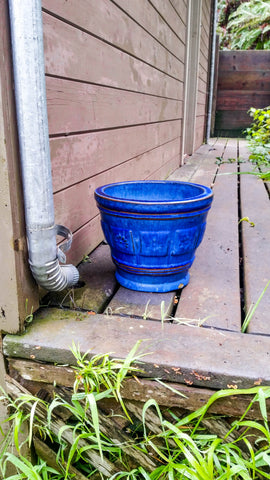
86	259
252	310
100	371
246	219
258	135
29	316
162	446
221	161
145	313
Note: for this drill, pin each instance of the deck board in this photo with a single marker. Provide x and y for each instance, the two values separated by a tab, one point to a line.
97	273
213	295
256	247
184	354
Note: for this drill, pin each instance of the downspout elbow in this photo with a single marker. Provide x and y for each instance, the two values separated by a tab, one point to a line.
45	258
55	277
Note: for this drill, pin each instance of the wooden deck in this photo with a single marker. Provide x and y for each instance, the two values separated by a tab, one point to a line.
199	342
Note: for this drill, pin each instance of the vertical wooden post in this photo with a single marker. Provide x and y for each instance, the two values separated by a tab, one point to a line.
17	287
191	75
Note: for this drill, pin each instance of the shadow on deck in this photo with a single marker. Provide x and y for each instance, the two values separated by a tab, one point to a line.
199	342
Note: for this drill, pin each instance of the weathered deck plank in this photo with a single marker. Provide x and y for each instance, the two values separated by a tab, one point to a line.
141	389
256	246
97	272
182	354
213	294
146	305
196	165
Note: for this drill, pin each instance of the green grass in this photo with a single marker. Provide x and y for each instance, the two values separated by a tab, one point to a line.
179	447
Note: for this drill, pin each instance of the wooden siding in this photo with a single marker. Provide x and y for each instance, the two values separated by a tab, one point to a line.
202	95
115	83
243	82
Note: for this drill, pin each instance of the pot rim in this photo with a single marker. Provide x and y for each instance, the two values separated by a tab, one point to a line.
206	193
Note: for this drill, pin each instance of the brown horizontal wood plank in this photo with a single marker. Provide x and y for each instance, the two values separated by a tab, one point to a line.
170	395
202	86
75	206
76	157
144	13
244	60
167	12
204	47
166	168
256	245
213	293
200	166
76	55
106	21
199	137
249	80
78	107
181	354
85	240
201	110
202	73
241	99
181	9
200	128
204	59
231	120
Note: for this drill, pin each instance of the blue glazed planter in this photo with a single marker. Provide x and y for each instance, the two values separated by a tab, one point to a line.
153	229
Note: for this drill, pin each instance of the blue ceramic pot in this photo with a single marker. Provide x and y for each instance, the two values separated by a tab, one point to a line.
153	229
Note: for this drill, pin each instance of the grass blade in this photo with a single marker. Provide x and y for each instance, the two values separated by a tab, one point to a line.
94	413
253	309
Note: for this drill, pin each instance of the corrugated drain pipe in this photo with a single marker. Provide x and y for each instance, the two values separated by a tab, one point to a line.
31	106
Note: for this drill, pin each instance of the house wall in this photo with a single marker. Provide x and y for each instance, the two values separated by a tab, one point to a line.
115	83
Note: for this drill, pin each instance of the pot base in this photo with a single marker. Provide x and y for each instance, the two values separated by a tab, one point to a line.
152	284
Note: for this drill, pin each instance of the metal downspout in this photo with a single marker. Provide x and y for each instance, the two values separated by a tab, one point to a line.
212	73
30	94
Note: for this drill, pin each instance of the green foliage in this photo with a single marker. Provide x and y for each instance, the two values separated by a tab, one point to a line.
100	371
253	309
244	25
258	136
182	447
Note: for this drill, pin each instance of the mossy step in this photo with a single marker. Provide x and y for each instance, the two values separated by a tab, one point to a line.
176	353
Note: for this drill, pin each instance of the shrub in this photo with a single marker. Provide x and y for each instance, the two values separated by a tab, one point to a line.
258	135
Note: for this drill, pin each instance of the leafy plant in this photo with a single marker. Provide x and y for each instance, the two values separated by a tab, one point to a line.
244	24
100	371
258	136
161	446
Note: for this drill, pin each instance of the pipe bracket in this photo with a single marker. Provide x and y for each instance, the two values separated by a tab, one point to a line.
64	232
